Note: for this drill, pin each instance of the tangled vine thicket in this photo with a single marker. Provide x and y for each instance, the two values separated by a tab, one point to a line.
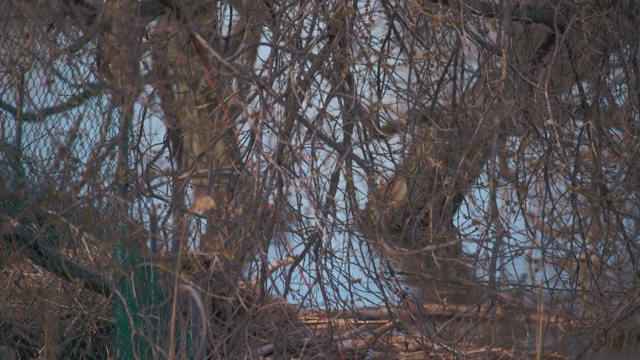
305	179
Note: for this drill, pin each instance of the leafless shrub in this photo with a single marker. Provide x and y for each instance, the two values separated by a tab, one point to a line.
200	179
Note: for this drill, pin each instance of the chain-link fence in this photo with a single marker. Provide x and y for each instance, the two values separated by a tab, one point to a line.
72	287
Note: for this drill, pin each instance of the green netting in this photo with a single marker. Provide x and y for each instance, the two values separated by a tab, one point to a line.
72	286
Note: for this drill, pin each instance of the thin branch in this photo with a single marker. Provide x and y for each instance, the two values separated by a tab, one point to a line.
39	116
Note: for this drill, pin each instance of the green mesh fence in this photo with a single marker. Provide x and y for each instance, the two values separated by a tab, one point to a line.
71	284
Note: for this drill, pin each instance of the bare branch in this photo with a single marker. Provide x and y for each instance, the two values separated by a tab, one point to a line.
24	238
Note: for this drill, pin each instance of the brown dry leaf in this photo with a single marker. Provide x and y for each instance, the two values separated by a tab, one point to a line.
202	204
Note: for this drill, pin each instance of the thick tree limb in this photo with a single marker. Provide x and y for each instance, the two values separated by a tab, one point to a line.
546	15
29	244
